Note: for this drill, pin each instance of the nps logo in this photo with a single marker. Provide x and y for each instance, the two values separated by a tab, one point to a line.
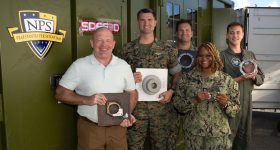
38	30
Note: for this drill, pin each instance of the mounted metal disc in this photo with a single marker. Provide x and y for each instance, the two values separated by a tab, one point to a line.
114	109
151	84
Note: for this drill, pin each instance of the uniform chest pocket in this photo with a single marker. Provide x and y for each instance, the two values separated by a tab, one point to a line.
156	60
191	89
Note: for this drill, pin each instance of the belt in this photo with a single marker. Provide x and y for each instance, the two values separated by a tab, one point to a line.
87	120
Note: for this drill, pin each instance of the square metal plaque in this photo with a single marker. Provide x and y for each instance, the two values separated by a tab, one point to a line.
115	110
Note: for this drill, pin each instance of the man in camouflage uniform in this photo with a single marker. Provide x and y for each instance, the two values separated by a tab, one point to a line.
148	52
232	57
208	98
186	55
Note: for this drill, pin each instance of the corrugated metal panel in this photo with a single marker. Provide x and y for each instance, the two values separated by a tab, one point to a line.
263	36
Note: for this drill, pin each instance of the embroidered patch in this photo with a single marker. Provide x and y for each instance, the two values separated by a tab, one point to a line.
186	60
235	62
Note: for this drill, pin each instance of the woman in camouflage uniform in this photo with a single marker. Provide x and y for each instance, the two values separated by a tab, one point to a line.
209	98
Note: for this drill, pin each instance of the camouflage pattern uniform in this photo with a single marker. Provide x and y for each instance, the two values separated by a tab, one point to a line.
206	124
152	117
176	139
241	124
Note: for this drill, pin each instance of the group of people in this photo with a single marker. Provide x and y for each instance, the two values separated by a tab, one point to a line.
211	100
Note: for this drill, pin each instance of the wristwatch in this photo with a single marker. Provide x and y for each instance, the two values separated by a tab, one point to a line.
172	89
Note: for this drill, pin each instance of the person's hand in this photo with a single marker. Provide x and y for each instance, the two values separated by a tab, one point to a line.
250	76
165	97
245	77
95	99
137	77
128	122
202	96
222	99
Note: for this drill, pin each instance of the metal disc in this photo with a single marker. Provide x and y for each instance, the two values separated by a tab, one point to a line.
151	84
186	60
248	66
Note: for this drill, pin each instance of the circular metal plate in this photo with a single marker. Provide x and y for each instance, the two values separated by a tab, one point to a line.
248	66
186	60
151	84
114	109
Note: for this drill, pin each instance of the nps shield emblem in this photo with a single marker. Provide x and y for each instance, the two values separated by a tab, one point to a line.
34	21
38	30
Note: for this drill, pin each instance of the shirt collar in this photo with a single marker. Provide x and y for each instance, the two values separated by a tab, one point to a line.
198	74
231	52
155	41
94	61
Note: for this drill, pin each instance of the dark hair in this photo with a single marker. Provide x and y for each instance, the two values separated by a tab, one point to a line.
183	21
234	24
146	10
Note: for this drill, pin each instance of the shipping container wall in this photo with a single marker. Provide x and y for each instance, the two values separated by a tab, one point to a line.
32	119
262	37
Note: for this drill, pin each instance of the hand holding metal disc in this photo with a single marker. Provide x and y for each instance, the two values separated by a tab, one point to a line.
116	109
154	82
